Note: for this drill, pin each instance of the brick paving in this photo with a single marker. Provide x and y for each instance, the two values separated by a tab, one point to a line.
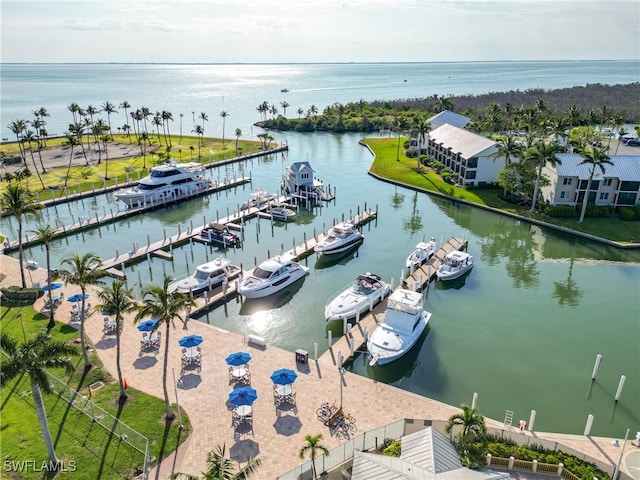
276	437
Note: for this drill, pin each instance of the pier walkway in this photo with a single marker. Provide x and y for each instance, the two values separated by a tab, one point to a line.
355	336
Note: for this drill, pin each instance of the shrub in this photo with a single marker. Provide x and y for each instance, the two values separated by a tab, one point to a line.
393	450
20	296
560	211
626	213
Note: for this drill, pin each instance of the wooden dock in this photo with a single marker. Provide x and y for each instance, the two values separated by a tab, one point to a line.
355	339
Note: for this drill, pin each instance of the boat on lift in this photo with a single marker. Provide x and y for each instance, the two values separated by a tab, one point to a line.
423	252
360	296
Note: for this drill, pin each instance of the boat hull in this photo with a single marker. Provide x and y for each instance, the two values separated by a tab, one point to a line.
349	304
381	355
446	276
336	248
250	288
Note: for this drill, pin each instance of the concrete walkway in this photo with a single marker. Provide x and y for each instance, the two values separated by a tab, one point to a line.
277	435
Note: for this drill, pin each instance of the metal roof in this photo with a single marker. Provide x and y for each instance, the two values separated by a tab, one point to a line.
449	117
625	167
467	143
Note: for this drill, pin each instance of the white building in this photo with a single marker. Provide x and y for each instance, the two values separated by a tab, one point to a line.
447	117
465	153
619	186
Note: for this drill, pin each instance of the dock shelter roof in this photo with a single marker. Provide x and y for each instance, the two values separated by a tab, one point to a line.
426	455
625	167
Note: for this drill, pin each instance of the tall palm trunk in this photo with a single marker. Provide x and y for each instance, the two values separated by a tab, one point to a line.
52	322
35	166
21	253
535	190
40	155
170	414
66	178
123	391
83	339
44	425
585	200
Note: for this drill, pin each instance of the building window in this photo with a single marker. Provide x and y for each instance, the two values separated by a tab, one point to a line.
604	196
630	186
608	182
567	181
472	162
595	184
470	175
564	194
583	184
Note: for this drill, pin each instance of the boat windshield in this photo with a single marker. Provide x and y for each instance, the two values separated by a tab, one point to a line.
261	273
204	275
144	186
165	173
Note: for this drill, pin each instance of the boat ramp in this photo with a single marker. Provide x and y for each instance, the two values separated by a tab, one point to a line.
355	336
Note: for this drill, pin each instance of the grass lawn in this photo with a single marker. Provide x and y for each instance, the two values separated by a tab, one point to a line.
85	447
390	164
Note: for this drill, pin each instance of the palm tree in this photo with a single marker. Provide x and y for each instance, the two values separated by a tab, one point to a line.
34	357
422	127
109	108
507	147
541	154
18	201
224	116
46	233
472	424
221	468
83	271
284	104
29	137
17	127
165	307
198	130
166	118
125	105
72	140
238	135
312	446
300	112
597	158
204	117
401	126
117	300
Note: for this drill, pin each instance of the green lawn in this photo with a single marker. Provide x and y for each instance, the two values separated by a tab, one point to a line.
400	168
85	447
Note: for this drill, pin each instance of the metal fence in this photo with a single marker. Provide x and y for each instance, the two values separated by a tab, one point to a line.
103	418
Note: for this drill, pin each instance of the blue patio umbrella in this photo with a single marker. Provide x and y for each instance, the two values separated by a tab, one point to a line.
147	325
53	286
190	341
284	376
243	396
78	297
238	358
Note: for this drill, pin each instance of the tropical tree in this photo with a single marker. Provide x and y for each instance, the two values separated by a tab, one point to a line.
125	106
597	158
284	104
224	116
109	108
313	447
221	468
72	141
401	125
204	117
541	154
34	357
17	127
166	118
115	301
165	307
17	201
507	147
84	270
46	233
471	424
198	130
29	137
238	135
421	127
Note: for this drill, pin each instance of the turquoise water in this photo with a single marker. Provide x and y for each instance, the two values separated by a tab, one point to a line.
522	330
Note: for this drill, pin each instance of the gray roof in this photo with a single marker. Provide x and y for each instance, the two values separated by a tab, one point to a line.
625	167
467	143
426	455
298	166
449	117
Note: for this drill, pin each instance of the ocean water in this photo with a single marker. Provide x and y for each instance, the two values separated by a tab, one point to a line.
188	90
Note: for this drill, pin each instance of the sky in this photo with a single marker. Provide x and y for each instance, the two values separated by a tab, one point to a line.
310	31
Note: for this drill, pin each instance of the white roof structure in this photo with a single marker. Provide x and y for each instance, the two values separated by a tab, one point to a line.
426	455
625	167
448	117
467	143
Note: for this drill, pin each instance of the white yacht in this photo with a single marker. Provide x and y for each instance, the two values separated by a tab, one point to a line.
271	276
208	275
168	182
404	321
359	297
423	252
455	265
339	238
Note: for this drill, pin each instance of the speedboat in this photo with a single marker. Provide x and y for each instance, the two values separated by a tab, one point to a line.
218	233
423	252
206	276
339	238
281	212
404	321
455	265
359	297
259	197
271	276
168	182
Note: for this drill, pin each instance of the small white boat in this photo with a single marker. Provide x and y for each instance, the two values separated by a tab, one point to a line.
404	321
208	275
423	252
455	265
359	297
168	182
271	276
220	234
339	238
281	212
259	198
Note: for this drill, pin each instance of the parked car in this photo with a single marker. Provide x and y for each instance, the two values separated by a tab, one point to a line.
634	142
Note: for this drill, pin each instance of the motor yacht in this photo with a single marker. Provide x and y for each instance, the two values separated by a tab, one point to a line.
357	298
455	265
339	238
423	252
404	321
206	276
271	276
280	211
220	234
169	182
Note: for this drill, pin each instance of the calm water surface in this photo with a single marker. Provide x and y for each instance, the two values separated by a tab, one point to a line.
522	330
